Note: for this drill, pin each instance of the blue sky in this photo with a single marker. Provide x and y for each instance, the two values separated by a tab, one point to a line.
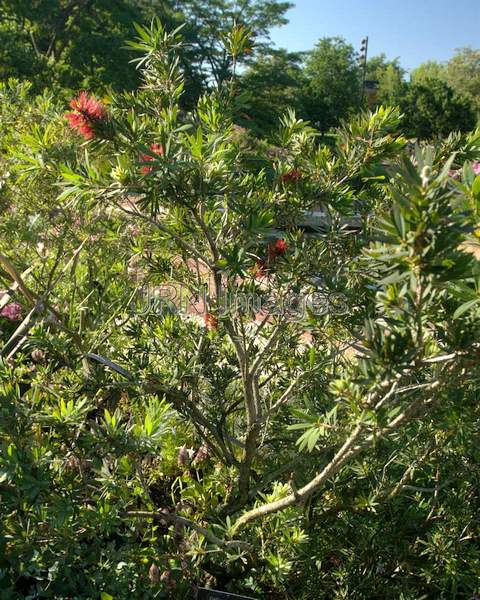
413	30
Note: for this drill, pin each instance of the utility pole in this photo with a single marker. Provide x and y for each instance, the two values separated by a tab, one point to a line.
362	59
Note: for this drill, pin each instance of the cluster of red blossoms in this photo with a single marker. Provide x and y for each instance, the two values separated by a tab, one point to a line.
277	249
156	149
211	322
291	176
274	251
89	112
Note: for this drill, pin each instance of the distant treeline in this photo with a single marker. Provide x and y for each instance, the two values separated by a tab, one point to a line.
66	45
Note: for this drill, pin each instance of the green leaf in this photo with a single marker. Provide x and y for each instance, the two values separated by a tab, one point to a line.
395	277
309	439
476	187
148	425
297	426
311	357
463	308
399	220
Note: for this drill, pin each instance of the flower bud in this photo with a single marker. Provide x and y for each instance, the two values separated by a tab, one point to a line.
154	573
259	269
182	456
38	355
167	579
202	454
425	175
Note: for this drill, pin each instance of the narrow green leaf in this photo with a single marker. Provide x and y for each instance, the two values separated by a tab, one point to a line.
476	187
463	308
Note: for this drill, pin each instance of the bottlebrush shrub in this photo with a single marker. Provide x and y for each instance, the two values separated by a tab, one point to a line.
271	443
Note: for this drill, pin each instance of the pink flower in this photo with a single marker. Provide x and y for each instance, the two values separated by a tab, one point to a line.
476	167
133	230
88	113
11	311
156	149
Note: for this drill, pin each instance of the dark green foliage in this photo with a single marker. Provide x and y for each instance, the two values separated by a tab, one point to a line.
388	541
71	44
79	44
432	109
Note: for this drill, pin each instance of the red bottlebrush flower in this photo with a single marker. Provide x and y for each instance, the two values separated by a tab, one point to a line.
88	113
277	249
88	106
211	322
291	176
156	149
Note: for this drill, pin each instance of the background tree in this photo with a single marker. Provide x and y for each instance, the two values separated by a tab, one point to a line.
428	70
462	73
433	109
72	43
273	83
389	75
211	20
333	82
80	43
